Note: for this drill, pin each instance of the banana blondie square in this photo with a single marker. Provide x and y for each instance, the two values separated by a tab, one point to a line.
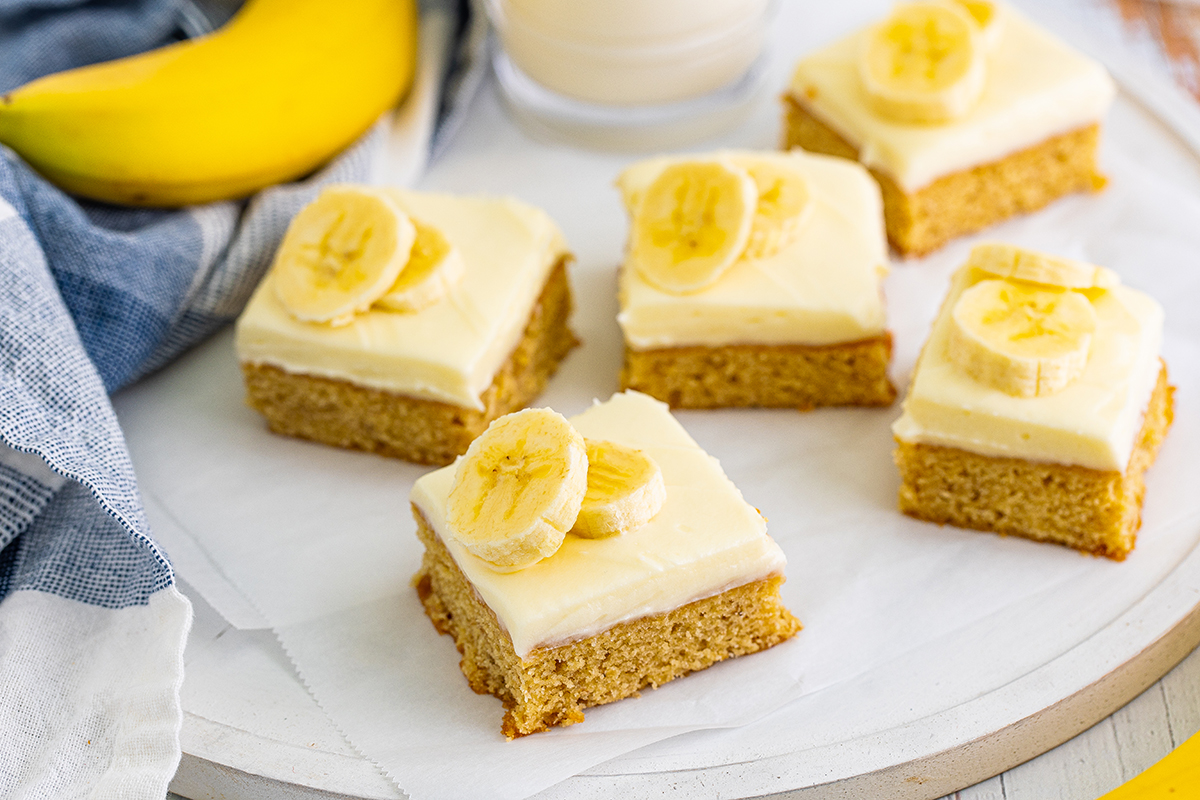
964	111
1037	405
569	576
754	279
402	323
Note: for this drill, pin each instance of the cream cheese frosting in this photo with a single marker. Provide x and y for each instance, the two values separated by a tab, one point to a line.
1036	87
822	288
1092	422
448	352
705	539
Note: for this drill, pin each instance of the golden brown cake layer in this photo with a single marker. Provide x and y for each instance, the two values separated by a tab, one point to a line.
766	376
551	686
967	201
1095	511
344	414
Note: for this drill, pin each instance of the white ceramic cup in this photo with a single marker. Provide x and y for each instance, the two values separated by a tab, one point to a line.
631	52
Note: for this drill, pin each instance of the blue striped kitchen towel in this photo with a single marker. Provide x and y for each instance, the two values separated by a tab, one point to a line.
92	297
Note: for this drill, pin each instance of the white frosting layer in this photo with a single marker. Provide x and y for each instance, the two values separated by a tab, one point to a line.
823	288
448	352
1036	87
704	540
1091	423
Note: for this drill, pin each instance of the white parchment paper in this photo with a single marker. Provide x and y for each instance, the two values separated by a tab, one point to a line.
319	545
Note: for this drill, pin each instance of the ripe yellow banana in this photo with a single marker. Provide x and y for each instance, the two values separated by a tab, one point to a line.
1176	777
267	98
1022	339
518	489
625	490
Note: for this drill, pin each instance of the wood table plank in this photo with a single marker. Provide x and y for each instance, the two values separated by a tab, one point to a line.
1086	766
1181	691
991	789
1143	732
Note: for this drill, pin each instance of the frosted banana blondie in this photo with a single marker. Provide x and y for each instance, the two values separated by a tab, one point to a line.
965	112
754	279
578	562
1038	403
402	323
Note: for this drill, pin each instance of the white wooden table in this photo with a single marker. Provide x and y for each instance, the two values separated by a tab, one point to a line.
1165	37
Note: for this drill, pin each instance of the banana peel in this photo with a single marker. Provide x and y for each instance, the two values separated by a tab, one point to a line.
1176	776
267	98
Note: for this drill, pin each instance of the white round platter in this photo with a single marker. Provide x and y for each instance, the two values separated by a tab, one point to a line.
917	727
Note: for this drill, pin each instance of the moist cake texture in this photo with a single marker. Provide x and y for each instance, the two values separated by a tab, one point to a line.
800	328
1095	511
1031	137
345	414
552	686
1067	467
421	385
602	618
771	376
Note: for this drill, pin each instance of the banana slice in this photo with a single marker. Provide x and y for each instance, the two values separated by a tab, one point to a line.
924	64
692	224
1007	261
1024	340
634	179
434	268
341	253
624	491
783	201
988	16
518	489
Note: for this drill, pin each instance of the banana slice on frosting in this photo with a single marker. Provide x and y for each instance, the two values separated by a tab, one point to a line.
624	491
925	63
518	489
341	253
988	16
783	201
692	223
1008	261
434	268
1022	339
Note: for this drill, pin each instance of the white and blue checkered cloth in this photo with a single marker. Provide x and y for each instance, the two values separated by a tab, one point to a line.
92	297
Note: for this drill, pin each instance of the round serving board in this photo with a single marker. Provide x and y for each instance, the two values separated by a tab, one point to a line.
922	724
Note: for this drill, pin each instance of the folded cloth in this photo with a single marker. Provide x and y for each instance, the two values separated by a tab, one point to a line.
92	627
